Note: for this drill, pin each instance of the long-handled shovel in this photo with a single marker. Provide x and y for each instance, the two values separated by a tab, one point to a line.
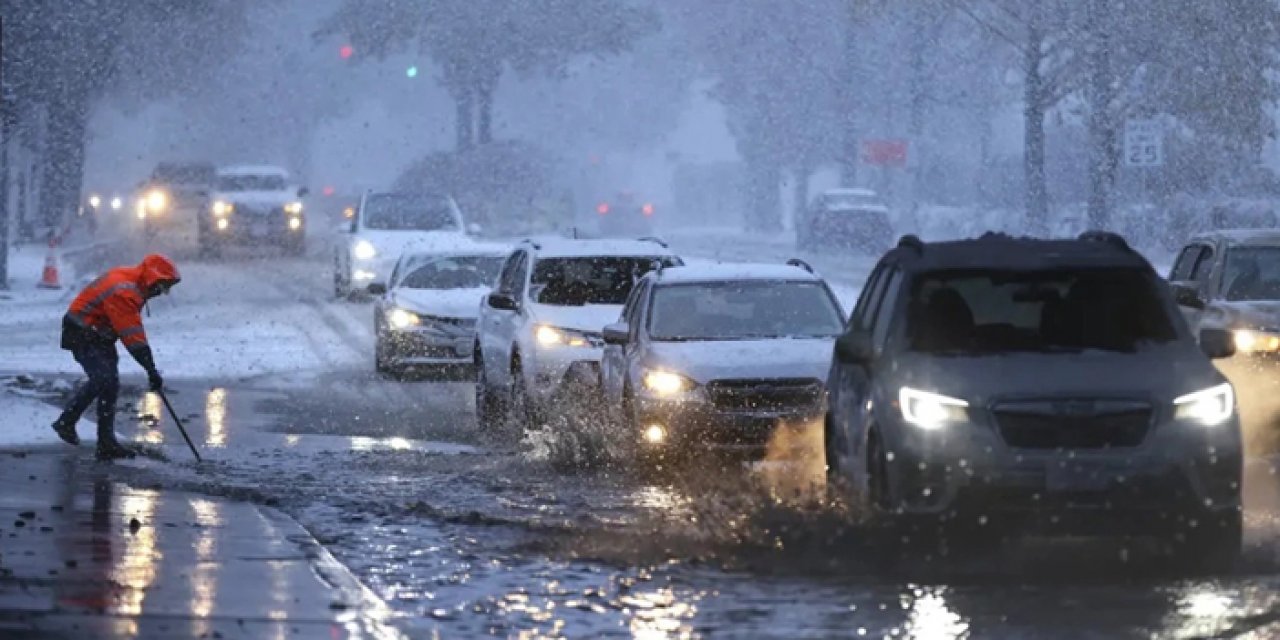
178	421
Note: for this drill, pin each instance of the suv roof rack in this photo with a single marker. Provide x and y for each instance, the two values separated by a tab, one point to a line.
656	240
531	242
797	262
913	242
1114	239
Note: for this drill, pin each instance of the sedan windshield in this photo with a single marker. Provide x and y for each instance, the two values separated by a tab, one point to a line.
1252	273
589	280
232	183
468	272
743	311
408	212
988	311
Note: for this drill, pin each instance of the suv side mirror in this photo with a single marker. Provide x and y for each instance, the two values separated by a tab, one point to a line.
618	333
503	301
377	288
1187	295
303	192
1217	343
854	348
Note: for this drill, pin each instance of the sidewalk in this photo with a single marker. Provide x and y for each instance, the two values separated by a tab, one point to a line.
83	556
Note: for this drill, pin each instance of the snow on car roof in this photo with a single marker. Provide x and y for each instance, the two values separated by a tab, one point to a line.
417	252
722	272
252	170
850	191
1263	237
1000	251
569	248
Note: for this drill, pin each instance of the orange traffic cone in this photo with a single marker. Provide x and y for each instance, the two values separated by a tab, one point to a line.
49	277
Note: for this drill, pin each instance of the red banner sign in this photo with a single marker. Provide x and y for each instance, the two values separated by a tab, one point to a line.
884	153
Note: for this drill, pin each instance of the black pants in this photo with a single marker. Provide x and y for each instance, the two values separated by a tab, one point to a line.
99	361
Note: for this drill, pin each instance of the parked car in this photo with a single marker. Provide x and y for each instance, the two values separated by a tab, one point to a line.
539	334
1041	385
254	205
845	218
718	356
382	227
427	318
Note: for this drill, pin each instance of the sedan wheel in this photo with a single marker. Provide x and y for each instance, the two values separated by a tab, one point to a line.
491	413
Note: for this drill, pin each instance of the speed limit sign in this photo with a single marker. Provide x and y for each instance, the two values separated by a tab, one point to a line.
1143	143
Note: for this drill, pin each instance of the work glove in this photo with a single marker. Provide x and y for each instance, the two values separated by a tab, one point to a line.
155	381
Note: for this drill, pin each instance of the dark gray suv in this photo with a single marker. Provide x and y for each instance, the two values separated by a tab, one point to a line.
1041	385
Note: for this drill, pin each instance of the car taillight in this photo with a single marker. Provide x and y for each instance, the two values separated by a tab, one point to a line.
647	209
602	208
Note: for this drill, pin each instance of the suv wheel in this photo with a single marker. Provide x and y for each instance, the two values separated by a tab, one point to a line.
491	412
521	407
1214	545
877	475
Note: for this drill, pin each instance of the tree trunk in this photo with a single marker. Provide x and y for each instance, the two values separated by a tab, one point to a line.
465	123
1033	132
484	92
763	185
800	194
1102	128
919	90
63	160
847	99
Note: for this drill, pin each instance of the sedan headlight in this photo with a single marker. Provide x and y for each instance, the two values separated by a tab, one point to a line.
931	410
364	250
1251	341
1209	407
293	207
222	208
401	319
549	336
666	383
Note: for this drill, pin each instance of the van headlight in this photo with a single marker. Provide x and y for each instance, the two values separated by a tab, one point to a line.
364	250
667	383
222	207
1209	407
931	411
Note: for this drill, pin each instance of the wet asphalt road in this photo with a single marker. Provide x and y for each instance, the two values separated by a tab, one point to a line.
465	536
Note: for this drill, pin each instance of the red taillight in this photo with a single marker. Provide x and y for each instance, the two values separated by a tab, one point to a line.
602	208
647	209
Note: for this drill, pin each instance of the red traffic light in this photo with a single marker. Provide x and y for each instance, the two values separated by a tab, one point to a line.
647	209
345	51
328	190
602	208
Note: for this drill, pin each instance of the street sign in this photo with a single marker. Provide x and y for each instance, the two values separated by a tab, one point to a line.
1143	143
884	153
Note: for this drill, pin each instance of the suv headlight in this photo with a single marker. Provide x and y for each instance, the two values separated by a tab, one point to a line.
931	410
1252	341
666	383
401	319
549	336
293	208
1209	407
364	250
157	200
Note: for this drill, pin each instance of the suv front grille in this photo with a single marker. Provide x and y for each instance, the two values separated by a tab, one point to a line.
780	395
1073	424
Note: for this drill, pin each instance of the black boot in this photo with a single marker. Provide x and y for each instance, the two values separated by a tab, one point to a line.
66	430
112	450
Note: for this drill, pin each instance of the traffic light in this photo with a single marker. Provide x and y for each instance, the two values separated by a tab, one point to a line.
345	51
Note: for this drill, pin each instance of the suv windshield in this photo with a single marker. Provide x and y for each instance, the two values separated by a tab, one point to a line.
469	272
408	212
743	311
270	182
1252	273
589	280
994	311
200	174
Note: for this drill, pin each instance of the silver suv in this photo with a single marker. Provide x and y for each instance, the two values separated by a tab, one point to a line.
1040	384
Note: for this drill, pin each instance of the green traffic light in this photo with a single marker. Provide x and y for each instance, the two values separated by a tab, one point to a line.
412	72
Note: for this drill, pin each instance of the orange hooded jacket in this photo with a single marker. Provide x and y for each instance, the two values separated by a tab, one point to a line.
111	307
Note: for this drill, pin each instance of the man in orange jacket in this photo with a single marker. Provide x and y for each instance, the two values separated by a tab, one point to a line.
107	310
